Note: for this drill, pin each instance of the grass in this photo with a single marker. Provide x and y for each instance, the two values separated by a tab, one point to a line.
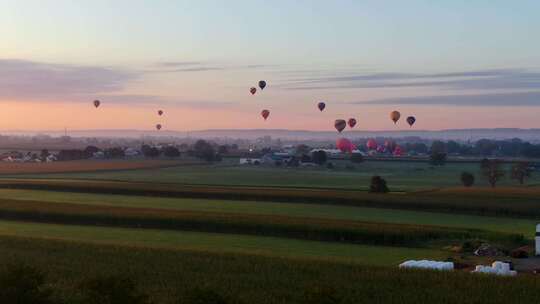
394	216
219	243
166	274
401	176
87	166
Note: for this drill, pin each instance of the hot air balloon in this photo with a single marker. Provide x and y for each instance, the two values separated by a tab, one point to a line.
398	151
411	120
158	127
371	144
253	90
265	114
345	145
340	125
160	112
395	115
97	103
352	122
321	106
262	84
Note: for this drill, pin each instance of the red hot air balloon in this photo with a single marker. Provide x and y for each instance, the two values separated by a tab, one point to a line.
262	84
253	91
97	103
321	106
352	122
158	127
411	120
345	145
340	125
265	114
398	151
371	144
160	112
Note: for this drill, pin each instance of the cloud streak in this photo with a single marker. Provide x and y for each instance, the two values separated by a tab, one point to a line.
509	79
23	80
531	99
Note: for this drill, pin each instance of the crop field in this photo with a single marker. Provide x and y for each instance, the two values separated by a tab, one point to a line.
7	168
167	274
268	235
401	176
364	214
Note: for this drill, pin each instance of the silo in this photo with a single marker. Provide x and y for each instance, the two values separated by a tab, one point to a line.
538	239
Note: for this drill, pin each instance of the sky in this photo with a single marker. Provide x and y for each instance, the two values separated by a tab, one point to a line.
452	64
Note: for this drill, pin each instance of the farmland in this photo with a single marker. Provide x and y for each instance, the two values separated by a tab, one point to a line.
401	176
262	230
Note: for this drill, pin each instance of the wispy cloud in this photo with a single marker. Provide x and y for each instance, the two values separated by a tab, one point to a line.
20	79
492	100
466	80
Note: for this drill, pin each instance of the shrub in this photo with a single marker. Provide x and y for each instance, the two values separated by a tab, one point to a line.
357	158
21	284
111	290
378	185
330	166
467	179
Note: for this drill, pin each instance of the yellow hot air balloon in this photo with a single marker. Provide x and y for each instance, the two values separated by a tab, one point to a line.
395	115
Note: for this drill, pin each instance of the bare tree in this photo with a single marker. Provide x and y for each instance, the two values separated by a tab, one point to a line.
492	171
521	171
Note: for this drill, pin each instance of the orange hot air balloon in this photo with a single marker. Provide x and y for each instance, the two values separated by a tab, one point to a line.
340	125
158	127
352	122
97	103
160	112
321	106
265	114
395	115
262	84
345	145
253	91
411	120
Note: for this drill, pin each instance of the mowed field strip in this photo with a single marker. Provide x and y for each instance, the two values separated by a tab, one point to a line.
219	243
394	216
401	175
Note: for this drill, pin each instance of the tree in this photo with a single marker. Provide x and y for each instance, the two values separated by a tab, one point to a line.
204	150
319	157
438	153
301	150
520	171
378	185
171	151
357	158
115	153
492	171
148	151
44	154
90	150
437	159
467	179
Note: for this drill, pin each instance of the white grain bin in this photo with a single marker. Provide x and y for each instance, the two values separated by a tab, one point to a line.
538	239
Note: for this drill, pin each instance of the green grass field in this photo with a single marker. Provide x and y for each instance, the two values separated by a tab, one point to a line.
401	176
395	216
